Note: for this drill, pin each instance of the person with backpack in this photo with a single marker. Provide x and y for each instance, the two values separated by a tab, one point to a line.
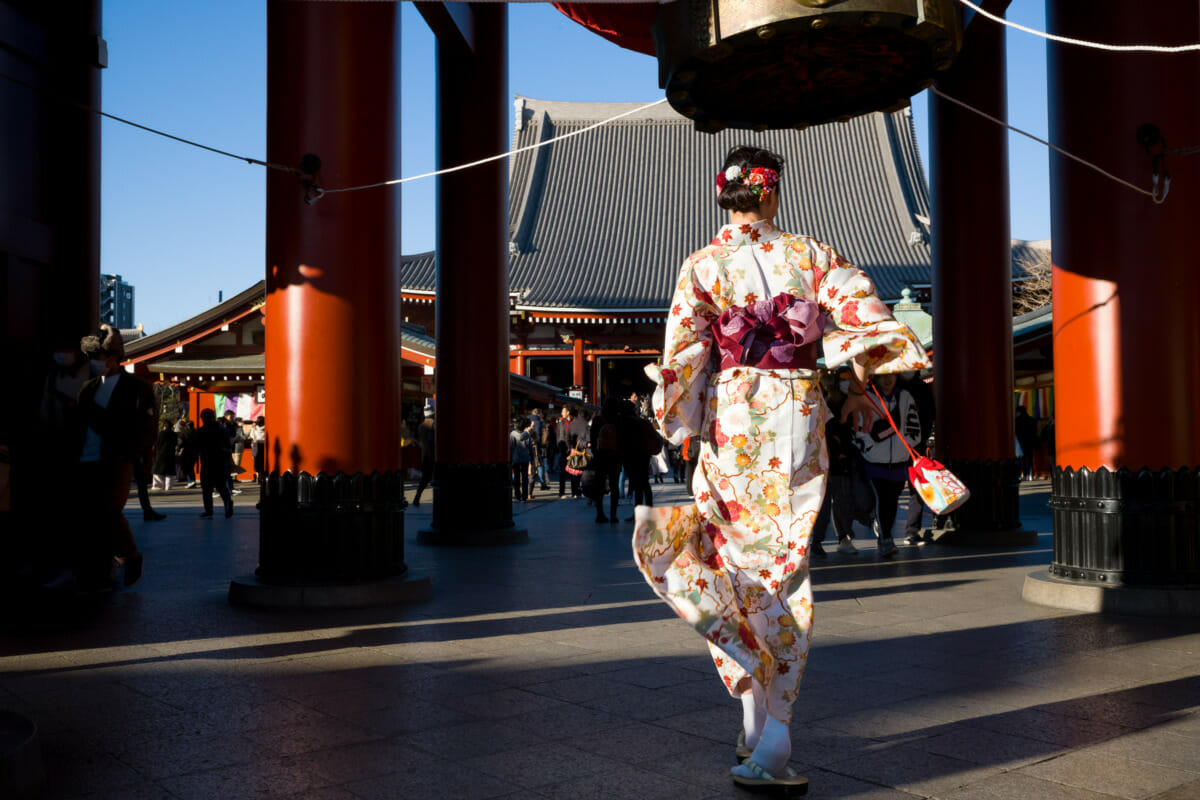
520	454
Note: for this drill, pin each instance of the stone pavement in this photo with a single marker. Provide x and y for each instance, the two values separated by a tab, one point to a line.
547	670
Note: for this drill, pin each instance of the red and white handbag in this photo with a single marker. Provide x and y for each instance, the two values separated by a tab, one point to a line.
940	489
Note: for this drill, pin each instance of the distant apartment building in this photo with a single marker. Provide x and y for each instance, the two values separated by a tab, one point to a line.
116	301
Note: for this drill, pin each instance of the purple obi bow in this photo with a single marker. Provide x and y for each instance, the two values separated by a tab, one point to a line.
780	333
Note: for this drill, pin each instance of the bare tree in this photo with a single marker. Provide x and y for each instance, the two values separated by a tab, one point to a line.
1032	291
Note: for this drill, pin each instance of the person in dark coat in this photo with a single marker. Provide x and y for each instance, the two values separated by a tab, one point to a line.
188	450
164	458
118	415
215	449
637	436
604	437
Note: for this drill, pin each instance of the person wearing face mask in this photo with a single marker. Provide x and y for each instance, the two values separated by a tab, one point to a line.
119	418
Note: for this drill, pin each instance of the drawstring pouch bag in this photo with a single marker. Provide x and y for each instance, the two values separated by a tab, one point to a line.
940	489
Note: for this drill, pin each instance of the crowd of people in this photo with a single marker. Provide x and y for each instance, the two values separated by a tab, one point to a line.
104	425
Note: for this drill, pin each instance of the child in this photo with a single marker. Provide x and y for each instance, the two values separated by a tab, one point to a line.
577	462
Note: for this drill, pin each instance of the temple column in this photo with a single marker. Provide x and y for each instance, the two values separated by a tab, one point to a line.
972	291
1126	486
49	232
472	495
332	505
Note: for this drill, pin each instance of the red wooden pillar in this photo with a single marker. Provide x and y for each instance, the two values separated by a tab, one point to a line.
332	296
49	230
1126	331
472	498
972	289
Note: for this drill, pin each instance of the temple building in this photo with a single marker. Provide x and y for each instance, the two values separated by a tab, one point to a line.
590	282
600	223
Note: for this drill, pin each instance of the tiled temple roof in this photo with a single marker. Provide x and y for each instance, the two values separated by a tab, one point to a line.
602	221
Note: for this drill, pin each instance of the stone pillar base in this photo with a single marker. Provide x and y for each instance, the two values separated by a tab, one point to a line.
472	506
1123	527
328	529
1044	589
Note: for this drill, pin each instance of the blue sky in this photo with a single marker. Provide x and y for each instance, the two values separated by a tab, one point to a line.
182	224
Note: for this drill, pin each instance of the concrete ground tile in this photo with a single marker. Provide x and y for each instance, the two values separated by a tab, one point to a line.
1189	791
564	723
1057	729
261	779
880	723
703	764
638	743
911	768
1182	725
77	765
289	740
165	757
718	724
403	716
707	689
275	714
502	703
540	766
433	779
643	704
825	784
353	762
623	782
1109	774
575	689
326	793
654	676
1155	746
988	748
1019	786
470	740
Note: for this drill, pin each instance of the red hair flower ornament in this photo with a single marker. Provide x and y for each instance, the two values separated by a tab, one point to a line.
759	180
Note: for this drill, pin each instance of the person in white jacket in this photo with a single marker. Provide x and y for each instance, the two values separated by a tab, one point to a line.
886	456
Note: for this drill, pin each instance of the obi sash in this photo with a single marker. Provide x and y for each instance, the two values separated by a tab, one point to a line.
781	333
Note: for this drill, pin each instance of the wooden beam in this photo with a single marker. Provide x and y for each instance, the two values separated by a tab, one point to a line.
452	23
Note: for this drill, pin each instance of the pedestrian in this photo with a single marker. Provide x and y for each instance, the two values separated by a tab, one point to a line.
232	429
604	438
520	454
189	452
119	416
164	457
578	460
638	443
1027	441
258	447
547	452
922	395
886	456
426	435
751	313
214	447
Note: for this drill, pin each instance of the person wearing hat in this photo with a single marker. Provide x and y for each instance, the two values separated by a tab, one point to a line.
119	418
425	437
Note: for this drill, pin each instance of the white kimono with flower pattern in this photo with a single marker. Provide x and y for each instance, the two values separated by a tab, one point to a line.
735	564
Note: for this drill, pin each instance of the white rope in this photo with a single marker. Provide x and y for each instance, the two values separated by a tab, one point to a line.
320	192
1119	48
1153	195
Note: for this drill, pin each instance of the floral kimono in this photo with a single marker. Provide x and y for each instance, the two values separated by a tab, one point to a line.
750	315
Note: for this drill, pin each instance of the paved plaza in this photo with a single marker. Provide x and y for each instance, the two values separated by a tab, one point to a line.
547	670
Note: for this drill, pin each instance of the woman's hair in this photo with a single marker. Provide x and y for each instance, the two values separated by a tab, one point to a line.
736	196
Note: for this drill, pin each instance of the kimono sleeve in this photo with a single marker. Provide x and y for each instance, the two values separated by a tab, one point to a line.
859	322
683	375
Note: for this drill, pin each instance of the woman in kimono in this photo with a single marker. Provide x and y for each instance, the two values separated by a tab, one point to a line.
751	313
